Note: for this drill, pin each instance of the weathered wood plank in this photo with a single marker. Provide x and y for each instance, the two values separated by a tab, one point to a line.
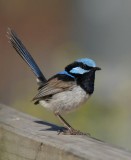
23	137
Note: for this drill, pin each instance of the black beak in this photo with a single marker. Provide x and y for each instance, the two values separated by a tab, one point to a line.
97	68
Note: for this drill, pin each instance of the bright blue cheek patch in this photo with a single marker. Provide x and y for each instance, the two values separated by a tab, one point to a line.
78	70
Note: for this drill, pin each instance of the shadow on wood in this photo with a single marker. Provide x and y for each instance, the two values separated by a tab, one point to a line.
52	127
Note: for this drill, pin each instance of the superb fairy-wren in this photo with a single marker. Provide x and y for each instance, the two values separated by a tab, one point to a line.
66	90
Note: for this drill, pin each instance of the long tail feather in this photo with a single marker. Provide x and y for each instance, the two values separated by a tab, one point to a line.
22	51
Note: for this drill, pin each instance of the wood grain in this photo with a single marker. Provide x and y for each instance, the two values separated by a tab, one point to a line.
23	137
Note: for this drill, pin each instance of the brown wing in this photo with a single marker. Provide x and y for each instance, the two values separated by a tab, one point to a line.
53	86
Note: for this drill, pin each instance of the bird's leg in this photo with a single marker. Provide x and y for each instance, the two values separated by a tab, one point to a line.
69	130
63	121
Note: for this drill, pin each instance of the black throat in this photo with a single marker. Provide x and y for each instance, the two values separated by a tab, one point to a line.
86	81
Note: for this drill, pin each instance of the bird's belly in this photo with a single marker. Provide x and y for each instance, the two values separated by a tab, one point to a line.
66	101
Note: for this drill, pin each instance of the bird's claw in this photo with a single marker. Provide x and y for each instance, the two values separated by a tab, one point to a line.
72	131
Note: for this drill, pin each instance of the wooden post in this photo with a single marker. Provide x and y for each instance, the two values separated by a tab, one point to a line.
23	137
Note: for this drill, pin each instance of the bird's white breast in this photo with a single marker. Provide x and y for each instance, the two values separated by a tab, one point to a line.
66	101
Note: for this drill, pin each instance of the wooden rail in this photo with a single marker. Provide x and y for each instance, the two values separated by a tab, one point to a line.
23	137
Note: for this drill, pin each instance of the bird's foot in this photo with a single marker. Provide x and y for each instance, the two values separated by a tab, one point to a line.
72	131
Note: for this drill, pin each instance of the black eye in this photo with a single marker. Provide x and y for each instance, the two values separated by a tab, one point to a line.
84	66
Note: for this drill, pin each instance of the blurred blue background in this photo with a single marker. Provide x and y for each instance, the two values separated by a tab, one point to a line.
58	32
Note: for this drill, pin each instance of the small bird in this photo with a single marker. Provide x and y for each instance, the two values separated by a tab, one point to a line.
66	90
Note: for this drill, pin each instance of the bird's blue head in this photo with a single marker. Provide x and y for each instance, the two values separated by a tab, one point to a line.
83	65
79	67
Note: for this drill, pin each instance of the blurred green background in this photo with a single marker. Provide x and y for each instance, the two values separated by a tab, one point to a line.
56	32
